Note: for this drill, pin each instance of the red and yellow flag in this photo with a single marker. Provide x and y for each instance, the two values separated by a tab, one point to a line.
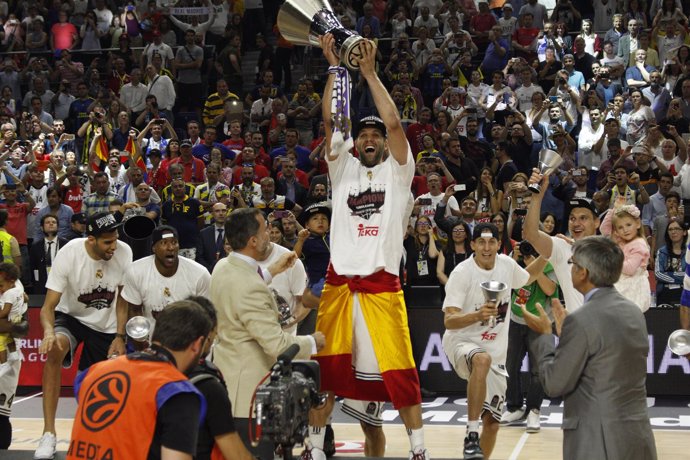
100	158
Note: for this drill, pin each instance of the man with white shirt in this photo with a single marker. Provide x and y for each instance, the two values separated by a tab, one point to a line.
476	336
589	135
525	91
103	15
133	94
164	277
162	87
583	221
287	288
157	47
425	204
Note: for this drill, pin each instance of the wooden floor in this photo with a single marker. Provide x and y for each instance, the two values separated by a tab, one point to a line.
442	441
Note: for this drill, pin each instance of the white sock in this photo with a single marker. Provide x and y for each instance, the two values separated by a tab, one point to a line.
317	435
416	439
473	426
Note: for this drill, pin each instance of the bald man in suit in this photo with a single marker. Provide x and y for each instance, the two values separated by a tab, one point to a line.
250	337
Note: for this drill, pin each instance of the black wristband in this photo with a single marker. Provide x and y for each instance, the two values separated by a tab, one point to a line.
121	336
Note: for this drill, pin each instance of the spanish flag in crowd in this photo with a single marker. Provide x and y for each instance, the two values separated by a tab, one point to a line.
134	155
100	158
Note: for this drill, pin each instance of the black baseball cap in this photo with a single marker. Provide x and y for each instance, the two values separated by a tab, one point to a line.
186	143
321	207
484	228
78	217
582	203
163	231
370	122
101	222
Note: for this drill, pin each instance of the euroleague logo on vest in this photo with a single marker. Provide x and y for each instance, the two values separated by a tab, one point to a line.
365	204
104	400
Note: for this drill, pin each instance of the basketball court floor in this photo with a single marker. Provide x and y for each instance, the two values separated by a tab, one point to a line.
445	418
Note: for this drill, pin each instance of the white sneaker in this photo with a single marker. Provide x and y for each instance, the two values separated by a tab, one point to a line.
515	416
419	454
313	453
533	421
46	447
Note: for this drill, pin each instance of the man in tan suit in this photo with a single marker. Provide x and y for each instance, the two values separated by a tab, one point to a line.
249	335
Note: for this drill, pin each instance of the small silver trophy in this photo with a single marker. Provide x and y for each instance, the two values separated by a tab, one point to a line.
138	328
286	319
492	291
679	342
549	161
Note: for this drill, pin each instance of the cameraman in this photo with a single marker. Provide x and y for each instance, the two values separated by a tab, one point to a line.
218	432
520	338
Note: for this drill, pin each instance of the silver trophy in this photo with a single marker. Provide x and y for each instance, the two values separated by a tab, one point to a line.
301	22
138	328
286	319
492	291
549	161
679	342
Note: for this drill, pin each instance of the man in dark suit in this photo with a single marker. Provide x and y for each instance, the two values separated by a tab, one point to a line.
42	253
600	363
211	247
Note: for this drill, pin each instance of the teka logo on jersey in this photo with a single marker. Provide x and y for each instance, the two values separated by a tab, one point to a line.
489	335
367	231
365	204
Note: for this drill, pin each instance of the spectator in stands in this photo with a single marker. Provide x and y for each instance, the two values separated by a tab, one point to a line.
629	42
670	263
184	214
44	249
302	111
268	201
162	87
457	250
213	107
63	34
62	213
421	251
102	196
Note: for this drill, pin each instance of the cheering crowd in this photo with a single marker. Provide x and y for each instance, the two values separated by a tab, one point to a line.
116	117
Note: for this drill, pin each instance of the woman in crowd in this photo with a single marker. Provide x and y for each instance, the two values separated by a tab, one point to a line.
592	40
636	10
275	233
421	254
507	244
563	39
549	223
488	198
457	250
639	119
669	264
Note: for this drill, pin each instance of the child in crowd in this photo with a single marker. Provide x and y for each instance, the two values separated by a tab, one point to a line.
625	226
313	243
12	302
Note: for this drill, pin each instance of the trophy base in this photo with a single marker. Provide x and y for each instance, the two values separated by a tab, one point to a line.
351	51
534	188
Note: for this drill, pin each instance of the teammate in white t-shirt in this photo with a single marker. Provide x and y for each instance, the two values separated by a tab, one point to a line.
370	211
10	368
287	287
164	277
583	221
83	304
476	337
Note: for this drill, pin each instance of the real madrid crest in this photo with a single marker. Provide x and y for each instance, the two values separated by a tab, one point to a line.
370	174
166	292
99	273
